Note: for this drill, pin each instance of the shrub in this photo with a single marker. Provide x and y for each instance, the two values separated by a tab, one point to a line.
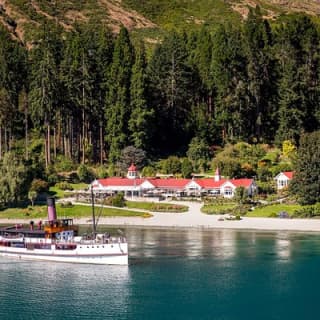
67	204
102	172
53	179
308	211
64	186
39	185
63	164
84	174
117	200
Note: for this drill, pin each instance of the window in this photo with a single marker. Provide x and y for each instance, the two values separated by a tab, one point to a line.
228	191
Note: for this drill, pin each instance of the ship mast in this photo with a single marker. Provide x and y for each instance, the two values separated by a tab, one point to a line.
94	229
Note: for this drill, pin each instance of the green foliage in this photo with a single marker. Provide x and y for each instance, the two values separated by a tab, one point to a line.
158	207
241	195
76	211
266	188
131	155
117	200
186	168
198	153
148	171
306	180
85	174
64	186
63	163
102	172
172	165
14	180
118	95
39	186
32	196
88	96
308	211
288	149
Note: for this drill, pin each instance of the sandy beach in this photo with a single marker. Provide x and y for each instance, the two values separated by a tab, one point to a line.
194	218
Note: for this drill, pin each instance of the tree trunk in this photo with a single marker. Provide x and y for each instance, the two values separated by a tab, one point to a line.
101	144
0	142
26	129
49	144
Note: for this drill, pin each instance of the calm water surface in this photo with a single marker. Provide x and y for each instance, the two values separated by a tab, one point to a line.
175	275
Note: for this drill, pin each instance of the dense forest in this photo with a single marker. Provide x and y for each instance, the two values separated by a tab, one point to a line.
87	94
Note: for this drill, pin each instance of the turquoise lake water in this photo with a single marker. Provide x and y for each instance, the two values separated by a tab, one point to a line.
186	274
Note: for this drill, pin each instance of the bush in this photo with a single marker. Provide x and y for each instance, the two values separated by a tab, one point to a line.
73	177
67	204
308	211
64	186
84	174
39	185
63	164
102	172
53	179
117	200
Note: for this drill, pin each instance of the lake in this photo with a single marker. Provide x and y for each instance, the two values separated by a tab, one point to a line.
174	274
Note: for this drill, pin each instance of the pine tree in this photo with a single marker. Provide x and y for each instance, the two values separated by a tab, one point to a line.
118	96
299	83
140	123
260	73
43	92
170	92
228	71
306	181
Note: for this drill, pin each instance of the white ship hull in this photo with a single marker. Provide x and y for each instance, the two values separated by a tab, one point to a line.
110	254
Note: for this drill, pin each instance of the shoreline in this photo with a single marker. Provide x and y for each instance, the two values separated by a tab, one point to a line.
194	219
199	222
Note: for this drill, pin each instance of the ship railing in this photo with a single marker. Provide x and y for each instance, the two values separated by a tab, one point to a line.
103	240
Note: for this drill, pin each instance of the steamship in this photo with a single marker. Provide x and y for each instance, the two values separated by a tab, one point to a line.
58	240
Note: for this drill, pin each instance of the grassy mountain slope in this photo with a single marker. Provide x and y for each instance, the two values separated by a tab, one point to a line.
148	18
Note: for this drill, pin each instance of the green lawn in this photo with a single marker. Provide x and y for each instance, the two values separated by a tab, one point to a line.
58	193
218	208
76	211
273	210
159	207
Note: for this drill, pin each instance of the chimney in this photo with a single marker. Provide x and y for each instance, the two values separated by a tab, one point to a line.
52	215
217	176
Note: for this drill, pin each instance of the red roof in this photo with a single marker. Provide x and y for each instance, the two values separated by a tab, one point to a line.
288	174
132	168
207	183
241	182
120	182
169	183
210	183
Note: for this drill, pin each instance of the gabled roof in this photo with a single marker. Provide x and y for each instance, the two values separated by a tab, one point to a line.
169	183
111	182
288	174
132	168
241	182
209	183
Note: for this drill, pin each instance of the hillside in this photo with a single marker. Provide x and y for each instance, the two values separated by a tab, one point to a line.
147	18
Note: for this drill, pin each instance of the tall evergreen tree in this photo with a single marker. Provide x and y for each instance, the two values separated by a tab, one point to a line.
118	96
43	91
140	123
260	73
306	180
298	56
228	71
170	92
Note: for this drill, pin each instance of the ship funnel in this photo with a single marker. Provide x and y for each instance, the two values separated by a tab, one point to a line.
52	214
